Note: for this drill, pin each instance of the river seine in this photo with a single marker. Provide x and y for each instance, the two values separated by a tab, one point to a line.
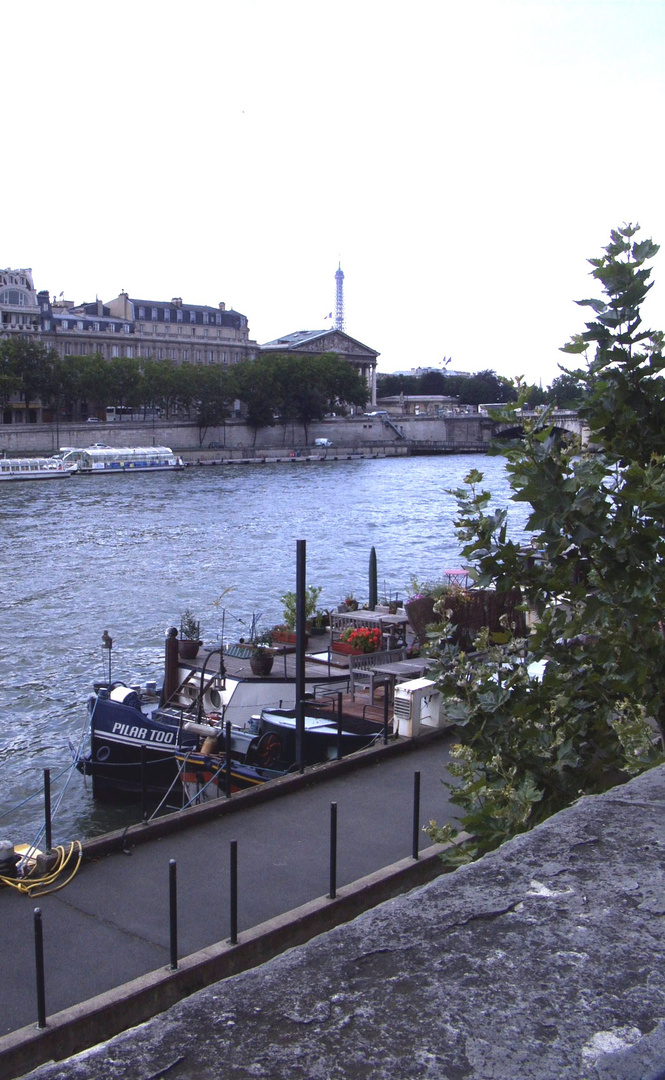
128	554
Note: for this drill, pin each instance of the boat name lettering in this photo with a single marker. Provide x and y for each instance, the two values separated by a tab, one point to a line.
143	734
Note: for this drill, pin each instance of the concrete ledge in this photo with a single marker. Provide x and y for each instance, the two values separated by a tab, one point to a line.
84	1025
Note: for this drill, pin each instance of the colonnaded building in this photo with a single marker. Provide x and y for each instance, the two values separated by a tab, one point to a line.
167	330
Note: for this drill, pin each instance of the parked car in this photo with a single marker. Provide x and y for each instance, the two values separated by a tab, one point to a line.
323	442
93	420
215	446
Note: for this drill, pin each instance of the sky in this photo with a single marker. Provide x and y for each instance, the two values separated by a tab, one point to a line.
462	161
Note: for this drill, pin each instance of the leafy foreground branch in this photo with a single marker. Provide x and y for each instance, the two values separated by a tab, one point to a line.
579	706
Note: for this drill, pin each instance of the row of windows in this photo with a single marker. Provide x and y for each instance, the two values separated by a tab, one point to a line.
79	324
197	356
165	315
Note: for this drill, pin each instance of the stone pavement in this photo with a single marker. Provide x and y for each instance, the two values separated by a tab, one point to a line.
111	923
542	961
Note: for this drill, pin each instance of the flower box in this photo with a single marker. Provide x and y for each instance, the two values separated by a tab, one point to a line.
345	649
286	637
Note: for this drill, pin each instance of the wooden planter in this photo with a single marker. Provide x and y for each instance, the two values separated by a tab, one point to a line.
286	637
345	649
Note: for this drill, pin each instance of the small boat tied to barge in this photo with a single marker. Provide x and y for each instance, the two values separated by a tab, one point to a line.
211	731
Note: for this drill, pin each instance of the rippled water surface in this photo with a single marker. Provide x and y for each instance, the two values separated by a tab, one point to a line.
128	554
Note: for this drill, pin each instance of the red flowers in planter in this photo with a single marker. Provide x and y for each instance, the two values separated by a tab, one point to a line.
363	638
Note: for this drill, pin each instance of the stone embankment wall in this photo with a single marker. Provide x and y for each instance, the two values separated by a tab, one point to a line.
453	434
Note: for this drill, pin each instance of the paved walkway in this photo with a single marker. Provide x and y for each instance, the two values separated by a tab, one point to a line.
111	923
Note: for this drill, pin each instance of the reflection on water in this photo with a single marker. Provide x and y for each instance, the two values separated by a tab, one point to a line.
128	554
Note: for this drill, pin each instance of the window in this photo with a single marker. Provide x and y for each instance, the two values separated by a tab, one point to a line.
198	356
95	327
205	333
218	320
64	325
129	351
160	354
141	313
237	357
153	313
47	324
79	324
185	354
192	316
206	317
126	328
115	351
178	315
110	327
167	315
224	360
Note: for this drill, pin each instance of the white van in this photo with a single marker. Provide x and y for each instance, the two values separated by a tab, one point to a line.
322	442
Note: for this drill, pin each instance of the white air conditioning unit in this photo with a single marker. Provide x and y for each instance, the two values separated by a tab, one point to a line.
417	705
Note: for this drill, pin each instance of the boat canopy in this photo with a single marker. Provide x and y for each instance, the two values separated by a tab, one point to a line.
29	464
122	457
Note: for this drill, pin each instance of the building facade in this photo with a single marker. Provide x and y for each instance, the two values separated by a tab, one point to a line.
159	330
314	342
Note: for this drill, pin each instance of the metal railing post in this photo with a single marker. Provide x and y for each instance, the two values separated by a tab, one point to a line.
333	850
227	763
416	814
39	964
173	913
233	937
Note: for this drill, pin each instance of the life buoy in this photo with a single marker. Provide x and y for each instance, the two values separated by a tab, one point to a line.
268	750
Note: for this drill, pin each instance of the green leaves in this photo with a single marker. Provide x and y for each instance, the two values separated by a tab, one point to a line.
594	581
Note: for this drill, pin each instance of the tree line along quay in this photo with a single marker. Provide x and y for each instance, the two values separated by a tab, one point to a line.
265	391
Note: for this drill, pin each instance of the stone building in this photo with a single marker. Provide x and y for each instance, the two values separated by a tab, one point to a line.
315	342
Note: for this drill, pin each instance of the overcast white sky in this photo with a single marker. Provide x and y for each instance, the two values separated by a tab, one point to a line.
462	160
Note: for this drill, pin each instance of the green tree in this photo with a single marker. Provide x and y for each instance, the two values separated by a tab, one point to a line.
27	369
594	578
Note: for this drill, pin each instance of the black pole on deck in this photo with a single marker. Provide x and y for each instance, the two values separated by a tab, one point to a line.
47	809
144	782
227	763
301	586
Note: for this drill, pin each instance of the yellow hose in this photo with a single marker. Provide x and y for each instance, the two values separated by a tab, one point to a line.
42	886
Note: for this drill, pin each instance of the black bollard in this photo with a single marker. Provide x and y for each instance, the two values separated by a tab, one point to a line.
173	913
233	937
416	814
333	850
39	964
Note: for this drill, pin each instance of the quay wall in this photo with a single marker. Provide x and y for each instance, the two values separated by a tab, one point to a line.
464	433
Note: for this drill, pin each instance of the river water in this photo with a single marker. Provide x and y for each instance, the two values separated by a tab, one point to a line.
128	554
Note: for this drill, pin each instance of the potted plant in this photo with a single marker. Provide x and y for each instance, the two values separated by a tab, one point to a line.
190	636
261	657
286	632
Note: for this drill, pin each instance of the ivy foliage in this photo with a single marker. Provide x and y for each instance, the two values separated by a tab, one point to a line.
580	705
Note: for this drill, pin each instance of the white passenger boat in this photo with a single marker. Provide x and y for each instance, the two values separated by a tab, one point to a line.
96	460
34	469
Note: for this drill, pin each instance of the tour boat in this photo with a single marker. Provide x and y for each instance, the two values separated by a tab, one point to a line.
38	468
108	460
